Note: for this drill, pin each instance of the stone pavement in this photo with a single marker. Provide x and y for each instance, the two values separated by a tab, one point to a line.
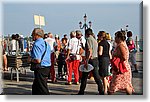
23	87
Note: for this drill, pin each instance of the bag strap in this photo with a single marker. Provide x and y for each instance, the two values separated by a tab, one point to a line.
77	47
44	51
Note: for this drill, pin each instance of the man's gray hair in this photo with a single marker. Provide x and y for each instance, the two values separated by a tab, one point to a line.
39	32
78	32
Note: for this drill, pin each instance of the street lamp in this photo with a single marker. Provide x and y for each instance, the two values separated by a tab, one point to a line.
85	26
127	27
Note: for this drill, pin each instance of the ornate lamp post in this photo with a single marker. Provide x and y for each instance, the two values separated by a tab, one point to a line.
126	27
85	26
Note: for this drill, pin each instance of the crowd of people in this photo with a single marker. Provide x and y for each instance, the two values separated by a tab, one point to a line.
110	60
17	44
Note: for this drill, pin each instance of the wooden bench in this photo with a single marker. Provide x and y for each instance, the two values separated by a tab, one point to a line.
17	63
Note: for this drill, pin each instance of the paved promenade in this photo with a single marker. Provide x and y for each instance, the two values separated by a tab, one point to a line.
23	87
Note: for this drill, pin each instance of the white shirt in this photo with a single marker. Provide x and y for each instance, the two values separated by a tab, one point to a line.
83	41
74	45
51	42
14	45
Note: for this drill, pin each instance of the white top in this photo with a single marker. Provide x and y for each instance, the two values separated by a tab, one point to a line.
110	44
14	45
51	42
83	41
74	45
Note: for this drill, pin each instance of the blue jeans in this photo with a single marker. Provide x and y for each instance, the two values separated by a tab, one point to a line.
94	62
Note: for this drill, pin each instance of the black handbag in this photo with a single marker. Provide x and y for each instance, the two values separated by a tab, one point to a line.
35	66
73	57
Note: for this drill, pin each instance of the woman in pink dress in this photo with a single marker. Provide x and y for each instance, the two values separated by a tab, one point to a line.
121	81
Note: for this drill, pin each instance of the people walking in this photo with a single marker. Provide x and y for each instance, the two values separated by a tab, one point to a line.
121	78
40	59
57	48
73	58
104	55
62	66
91	49
52	44
82	52
109	40
5	67
132	51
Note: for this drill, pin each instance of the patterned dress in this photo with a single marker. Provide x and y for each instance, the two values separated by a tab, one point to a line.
122	81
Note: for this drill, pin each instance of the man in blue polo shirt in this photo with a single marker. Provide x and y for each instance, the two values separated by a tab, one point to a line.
39	86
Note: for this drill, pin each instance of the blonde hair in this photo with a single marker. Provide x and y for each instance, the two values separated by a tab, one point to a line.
108	36
73	33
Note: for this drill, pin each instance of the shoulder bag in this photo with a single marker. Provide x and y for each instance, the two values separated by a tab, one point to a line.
35	66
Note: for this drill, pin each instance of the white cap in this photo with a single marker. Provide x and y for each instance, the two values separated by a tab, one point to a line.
21	36
56	36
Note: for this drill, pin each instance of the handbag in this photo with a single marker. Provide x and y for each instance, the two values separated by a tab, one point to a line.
73	57
35	66
118	65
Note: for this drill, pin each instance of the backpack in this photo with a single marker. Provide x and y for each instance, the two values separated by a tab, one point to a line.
131	46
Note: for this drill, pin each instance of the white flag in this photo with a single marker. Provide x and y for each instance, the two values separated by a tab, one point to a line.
39	20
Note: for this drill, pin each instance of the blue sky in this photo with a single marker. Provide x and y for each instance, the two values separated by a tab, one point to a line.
61	18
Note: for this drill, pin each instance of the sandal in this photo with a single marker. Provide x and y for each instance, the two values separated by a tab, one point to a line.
6	69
